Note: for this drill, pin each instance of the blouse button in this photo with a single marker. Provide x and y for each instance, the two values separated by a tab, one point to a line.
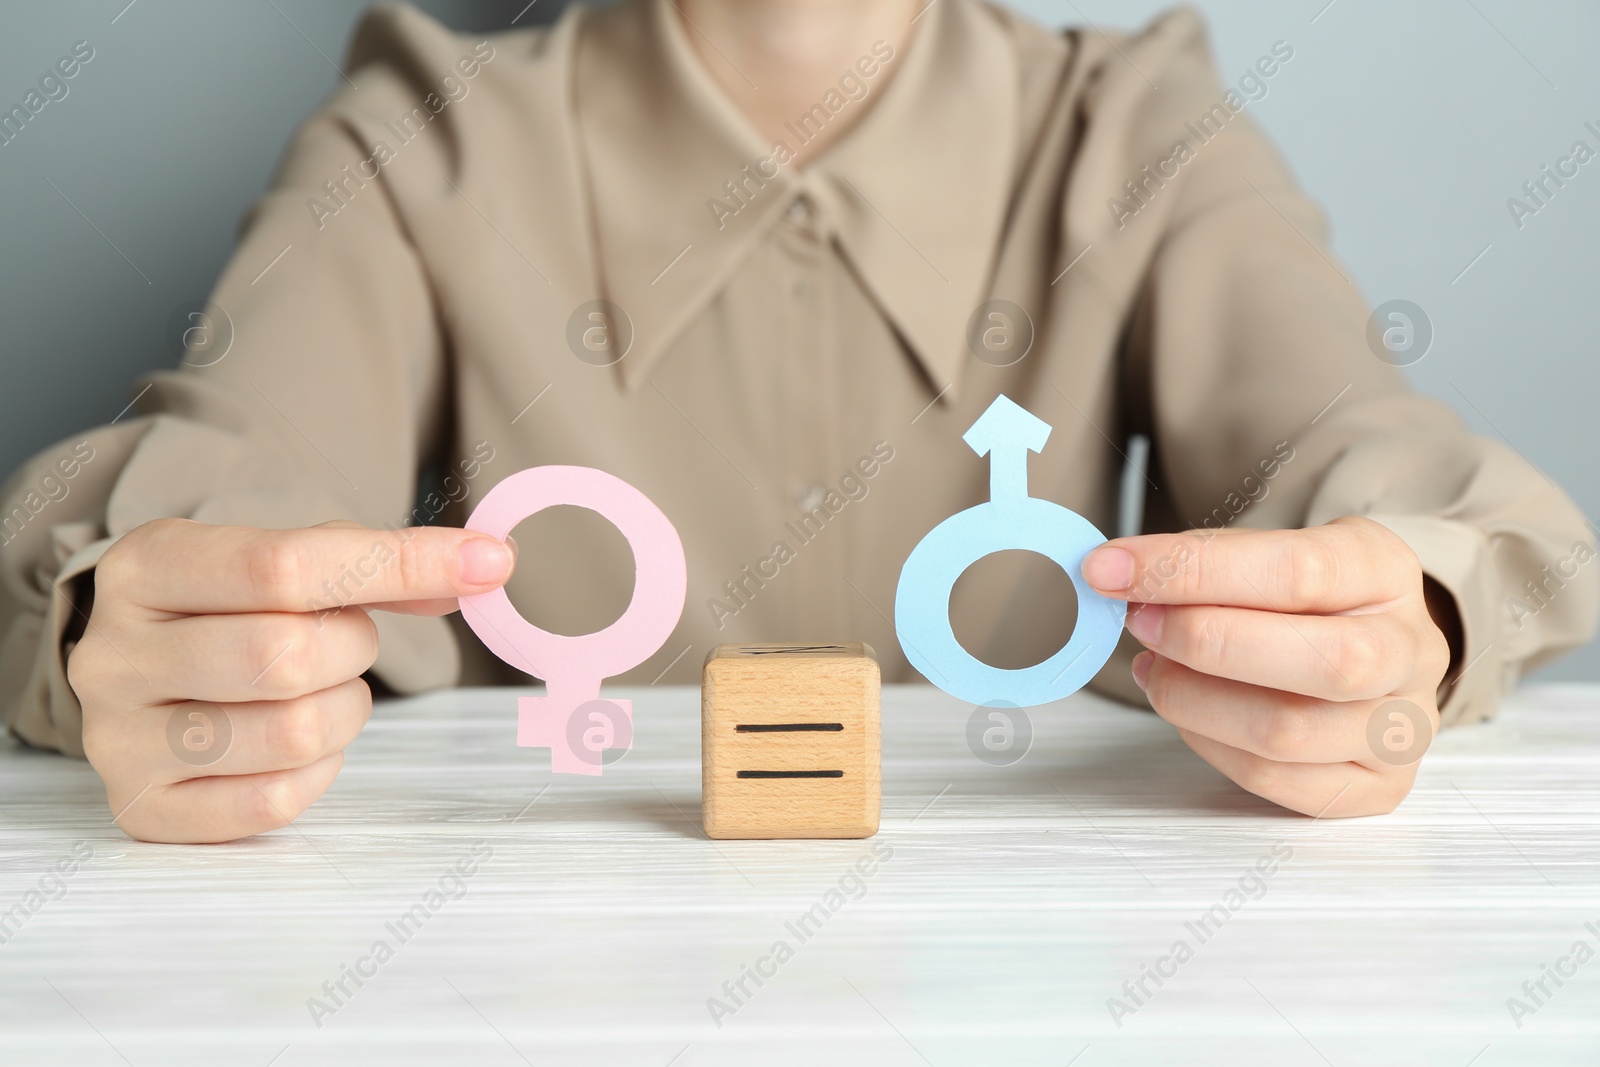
809	497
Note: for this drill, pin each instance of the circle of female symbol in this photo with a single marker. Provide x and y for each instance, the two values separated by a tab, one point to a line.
1011	519
571	719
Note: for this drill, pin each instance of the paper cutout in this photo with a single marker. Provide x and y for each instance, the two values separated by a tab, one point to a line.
571	719
1012	519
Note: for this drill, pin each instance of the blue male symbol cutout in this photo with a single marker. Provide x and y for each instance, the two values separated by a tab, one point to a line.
1011	519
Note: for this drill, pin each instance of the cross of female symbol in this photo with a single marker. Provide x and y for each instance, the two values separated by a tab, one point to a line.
571	719
1011	519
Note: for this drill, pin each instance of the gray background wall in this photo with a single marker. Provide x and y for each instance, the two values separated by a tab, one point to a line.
1411	123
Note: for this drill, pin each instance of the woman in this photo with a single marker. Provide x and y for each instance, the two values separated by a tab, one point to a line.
767	261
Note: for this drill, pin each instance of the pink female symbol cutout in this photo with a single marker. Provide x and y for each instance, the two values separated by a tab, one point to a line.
572	667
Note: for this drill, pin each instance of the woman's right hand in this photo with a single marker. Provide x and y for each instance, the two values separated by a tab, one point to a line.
220	672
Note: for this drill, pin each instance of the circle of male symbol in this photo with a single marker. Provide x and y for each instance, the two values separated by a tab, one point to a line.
573	667
1011	519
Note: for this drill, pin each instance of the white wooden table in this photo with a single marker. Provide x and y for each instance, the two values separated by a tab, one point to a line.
1015	902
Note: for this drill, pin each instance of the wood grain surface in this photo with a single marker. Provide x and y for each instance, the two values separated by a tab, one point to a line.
1001	907
790	742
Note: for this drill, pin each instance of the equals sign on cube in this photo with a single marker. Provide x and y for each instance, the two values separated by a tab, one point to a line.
791	739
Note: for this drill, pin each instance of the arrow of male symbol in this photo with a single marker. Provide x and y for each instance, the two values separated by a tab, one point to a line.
1006	432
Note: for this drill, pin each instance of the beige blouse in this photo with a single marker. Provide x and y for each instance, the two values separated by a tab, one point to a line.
564	245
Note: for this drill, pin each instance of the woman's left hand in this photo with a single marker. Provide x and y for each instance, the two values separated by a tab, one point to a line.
1302	664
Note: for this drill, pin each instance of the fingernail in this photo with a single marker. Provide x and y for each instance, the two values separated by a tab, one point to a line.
1109	569
1144	622
1141	668
485	561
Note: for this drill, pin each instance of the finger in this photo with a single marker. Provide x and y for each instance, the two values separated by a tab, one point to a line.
439	607
1321	790
1334	657
1279	726
267	656
1347	564
419	607
194	738
201	739
176	565
212	810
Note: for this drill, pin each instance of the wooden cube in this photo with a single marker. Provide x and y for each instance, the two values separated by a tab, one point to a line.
790	741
